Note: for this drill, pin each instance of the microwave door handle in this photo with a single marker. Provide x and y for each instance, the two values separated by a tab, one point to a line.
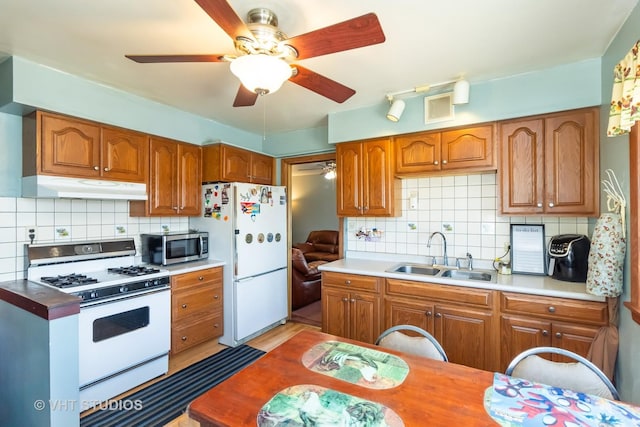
201	246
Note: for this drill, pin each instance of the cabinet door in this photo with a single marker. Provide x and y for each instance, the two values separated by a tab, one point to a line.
518	334
401	312
189	179
377	178
469	149
69	147
261	169
349	178
236	164
335	312
124	155
364	317
572	163
575	338
466	336
521	169
417	153
163	183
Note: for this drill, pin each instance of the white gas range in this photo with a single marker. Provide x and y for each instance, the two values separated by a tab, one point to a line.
125	314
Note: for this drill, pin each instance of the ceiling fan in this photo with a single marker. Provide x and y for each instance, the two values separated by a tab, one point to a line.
265	54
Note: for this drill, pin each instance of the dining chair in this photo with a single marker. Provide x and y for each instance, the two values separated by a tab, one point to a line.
422	345
581	375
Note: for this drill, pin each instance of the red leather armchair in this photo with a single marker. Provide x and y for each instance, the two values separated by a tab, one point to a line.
306	280
321	245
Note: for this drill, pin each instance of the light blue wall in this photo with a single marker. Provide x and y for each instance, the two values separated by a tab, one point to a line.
11	158
614	154
555	89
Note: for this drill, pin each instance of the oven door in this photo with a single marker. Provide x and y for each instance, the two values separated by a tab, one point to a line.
119	334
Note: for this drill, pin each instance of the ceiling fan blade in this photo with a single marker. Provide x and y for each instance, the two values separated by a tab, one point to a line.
152	59
321	85
358	32
245	97
226	18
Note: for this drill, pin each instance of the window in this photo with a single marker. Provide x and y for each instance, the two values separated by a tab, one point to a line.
634	190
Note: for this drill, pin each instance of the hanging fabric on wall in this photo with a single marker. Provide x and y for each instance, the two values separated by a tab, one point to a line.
608	243
625	98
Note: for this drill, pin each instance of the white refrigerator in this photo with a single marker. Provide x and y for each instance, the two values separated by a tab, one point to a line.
247	225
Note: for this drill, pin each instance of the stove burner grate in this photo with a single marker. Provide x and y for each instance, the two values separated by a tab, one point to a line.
68	280
134	270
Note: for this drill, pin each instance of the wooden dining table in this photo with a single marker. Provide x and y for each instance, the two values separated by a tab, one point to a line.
433	393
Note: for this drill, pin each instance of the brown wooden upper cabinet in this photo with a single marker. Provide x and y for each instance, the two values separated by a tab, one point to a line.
223	162
365	183
175	180
458	150
54	144
549	164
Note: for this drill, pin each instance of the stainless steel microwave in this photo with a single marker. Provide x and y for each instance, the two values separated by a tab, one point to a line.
174	247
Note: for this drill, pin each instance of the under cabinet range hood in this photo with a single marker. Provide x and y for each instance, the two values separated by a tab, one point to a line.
46	186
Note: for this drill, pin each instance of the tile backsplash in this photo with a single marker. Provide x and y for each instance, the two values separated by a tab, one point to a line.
60	220
464	208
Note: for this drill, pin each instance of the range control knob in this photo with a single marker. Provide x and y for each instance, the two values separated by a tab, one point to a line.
123	289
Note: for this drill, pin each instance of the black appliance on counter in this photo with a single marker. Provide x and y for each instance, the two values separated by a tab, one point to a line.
568	257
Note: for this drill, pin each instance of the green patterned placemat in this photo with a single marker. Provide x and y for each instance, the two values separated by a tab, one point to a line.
357	365
312	405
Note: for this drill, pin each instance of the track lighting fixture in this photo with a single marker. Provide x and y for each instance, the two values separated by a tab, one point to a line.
460	96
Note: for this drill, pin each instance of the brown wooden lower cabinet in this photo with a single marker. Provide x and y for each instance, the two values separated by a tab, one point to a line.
196	308
480	328
351	306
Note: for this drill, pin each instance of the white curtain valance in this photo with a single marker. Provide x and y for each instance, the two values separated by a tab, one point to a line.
625	99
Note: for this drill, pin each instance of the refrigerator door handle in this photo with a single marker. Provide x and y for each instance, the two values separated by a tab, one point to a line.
246	279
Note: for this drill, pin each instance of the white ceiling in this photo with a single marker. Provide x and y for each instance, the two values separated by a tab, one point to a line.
427	42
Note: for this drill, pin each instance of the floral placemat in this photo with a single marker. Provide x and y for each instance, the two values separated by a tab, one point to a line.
312	405
514	402
358	365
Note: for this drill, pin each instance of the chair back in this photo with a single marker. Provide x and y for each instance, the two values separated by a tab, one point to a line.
423	345
581	375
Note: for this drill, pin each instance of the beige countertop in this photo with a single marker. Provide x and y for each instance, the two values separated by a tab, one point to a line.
187	267
527	284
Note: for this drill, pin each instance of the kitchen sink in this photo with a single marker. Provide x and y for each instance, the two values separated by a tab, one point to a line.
467	275
425	270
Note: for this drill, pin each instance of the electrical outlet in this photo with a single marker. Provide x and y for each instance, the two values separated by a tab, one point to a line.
506	246
30	233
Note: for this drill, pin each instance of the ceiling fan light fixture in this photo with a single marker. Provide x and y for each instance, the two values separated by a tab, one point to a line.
261	73
329	170
396	110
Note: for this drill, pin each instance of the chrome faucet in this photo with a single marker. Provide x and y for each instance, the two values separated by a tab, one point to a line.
444	243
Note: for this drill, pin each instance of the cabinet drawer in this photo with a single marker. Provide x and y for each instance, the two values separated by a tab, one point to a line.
196	333
196	302
555	308
351	281
196	278
458	294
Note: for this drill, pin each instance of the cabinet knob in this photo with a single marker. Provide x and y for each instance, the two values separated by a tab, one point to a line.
106	169
215	297
345	299
539	205
200	278
215	325
353	300
438	315
184	338
429	313
551	204
558	335
545	333
96	168
184	305
552	309
444	162
175	208
436	162
347	282
181	207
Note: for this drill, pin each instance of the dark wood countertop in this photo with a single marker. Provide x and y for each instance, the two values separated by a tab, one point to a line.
40	300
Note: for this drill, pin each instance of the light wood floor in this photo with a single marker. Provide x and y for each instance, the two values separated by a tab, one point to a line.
265	342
